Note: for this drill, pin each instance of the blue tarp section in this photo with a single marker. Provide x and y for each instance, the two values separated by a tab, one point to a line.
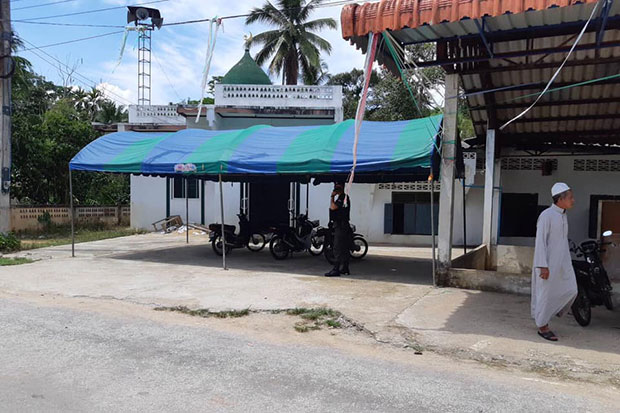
386	148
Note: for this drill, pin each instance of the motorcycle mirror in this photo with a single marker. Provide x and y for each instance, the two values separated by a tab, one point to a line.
607	233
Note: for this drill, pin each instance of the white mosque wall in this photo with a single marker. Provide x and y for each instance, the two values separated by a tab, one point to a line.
148	201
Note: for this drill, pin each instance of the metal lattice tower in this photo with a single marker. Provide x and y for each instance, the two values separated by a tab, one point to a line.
144	64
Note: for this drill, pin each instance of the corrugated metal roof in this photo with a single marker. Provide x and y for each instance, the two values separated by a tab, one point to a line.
359	20
584	114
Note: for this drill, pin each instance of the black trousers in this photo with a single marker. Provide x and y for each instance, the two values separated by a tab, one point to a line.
342	243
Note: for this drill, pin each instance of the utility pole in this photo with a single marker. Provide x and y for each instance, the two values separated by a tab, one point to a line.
7	68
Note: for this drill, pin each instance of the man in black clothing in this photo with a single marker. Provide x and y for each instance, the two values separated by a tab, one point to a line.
339	211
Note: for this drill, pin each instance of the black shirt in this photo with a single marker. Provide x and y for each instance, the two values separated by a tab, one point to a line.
342	214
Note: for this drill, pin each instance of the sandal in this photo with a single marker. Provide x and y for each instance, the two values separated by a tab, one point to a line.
548	335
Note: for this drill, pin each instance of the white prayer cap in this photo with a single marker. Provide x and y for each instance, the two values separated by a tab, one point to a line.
558	188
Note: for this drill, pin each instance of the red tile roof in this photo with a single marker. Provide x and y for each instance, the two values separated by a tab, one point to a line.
359	20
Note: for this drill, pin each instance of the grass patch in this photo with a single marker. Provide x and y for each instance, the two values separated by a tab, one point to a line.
333	324
205	312
62	236
14	261
302	327
315	318
311	318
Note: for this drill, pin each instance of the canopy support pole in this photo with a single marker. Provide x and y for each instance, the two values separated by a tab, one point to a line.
186	210
307	198
72	214
433	231
464	220
223	232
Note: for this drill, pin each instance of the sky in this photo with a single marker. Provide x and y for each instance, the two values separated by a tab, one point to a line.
178	54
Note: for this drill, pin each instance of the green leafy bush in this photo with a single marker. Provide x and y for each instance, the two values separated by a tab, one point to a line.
45	219
9	242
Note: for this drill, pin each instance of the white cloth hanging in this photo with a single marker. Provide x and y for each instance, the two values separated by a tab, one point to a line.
361	105
211	40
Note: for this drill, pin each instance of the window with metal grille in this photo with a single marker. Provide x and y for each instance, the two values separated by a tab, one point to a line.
527	164
178	188
596	165
421	186
410	213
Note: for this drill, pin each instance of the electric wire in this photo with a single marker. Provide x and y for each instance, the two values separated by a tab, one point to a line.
76	40
93	11
398	61
174	89
43	4
183	22
79	78
68	24
557	72
84	81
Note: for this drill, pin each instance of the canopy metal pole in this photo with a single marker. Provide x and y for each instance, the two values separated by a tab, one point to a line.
72	214
433	231
186	210
464	221
307	198
223	232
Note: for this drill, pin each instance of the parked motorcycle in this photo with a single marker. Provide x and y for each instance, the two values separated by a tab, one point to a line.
287	240
594	287
323	240
246	238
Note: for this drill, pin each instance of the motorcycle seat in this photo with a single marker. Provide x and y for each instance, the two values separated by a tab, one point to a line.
218	227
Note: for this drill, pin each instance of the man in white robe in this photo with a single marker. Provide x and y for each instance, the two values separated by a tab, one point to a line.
554	287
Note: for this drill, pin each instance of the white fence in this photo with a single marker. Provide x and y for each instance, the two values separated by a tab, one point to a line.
160	114
27	218
319	97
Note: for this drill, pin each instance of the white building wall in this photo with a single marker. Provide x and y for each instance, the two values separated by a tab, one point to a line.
583	183
231	202
148	202
367	213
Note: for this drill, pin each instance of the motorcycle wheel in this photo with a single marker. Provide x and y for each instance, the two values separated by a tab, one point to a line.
317	245
256	242
359	248
581	308
216	243
328	250
609	303
278	248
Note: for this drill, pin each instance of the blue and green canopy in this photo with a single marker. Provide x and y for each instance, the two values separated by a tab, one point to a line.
387	151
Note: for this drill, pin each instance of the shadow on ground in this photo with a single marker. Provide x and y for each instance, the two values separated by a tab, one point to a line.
508	316
373	267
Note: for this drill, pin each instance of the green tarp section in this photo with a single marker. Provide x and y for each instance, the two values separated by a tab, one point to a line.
385	150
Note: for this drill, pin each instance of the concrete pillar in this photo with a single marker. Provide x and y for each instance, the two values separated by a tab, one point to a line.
497	193
489	175
448	170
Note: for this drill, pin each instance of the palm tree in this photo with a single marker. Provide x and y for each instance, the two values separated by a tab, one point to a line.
293	45
92	102
317	76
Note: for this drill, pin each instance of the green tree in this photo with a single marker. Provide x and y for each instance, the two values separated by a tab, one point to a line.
293	47
317	76
110	112
352	85
49	127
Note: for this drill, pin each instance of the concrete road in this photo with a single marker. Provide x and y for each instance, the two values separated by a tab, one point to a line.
389	294
63	357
